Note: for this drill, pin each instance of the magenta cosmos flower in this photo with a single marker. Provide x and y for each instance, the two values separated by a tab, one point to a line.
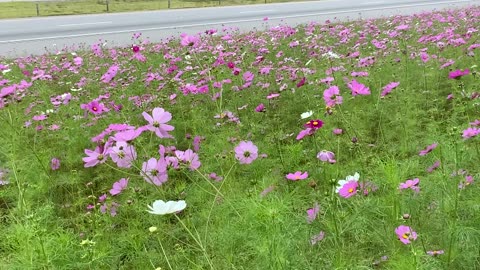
246	152
348	189
358	88
297	176
457	74
405	234
96	108
155	171
157	122
314	124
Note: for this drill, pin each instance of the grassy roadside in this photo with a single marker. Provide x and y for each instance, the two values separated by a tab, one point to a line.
29	9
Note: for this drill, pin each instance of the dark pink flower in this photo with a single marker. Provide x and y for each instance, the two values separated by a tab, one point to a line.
314	124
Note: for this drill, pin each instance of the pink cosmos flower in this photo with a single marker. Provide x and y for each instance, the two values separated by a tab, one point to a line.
405	234
468	181
196	143
190	158
187	40
457	74
317	238
410	184
388	88
297	176
155	171
215	177
337	131
305	132
273	95
95	107
301	82
99	155
332	97
326	156
434	166
312	213
260	108
470	132
119	186
246	152
123	154
348	189
358	88
157	122
55	164
428	149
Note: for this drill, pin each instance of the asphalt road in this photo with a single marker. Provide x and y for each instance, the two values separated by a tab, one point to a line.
20	37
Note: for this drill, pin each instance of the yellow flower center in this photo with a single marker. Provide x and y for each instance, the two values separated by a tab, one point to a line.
315	123
297	177
350	190
405	235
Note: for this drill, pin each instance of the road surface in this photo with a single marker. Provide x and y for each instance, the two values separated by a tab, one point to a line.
20	37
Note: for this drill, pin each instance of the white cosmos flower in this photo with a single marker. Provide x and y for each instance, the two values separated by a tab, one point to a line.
5	71
349	178
306	114
160	207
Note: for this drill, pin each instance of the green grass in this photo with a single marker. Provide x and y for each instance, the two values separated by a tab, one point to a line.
45	222
29	9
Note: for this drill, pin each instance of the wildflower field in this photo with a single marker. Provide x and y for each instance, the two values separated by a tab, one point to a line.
332	145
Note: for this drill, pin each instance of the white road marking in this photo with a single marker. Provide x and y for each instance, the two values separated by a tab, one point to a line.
82	24
230	22
257	11
373	3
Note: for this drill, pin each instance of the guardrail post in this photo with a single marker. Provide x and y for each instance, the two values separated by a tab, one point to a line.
108	9
168	3
38	9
